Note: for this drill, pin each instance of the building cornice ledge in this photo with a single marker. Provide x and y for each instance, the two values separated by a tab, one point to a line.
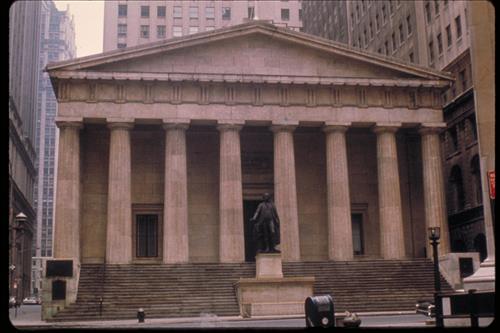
247	78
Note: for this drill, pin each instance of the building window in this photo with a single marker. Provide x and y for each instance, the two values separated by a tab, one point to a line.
394	45
428	12
161	11
440	44
146	235
122	30
193	12
391	7
121	45
384	14
210	13
144	11
463	79
144	31
411	56
209	28
448	35
473	129
365	38
357	233
431	52
377	22
226	13
285	14
177	12
359	42
160	31
300	14
122	10
371	30
177	31
459	26
457	189
193	30
401	34
379	50
436	7
386	44
357	13
453	142
476	179
408	24
251	12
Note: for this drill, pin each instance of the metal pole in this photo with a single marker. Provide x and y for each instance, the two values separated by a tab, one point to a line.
437	285
474	320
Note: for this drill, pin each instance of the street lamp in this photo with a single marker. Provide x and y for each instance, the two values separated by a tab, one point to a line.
434	234
19	221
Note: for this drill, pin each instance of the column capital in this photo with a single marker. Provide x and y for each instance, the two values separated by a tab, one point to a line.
336	127
431	128
76	122
120	123
283	126
386	127
233	125
182	124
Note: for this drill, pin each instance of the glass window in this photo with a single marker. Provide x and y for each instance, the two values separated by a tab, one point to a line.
210	13
122	30
285	14
463	79
412	57
147	235
428	12
177	12
384	14
408	24
448	35
459	26
377	22
193	30
394	45
371	30
177	31
226	13
251	12
300	14
160	31
144	11
431	52
440	43
161	11
386	44
144	31
193	12
122	10
121	45
401	34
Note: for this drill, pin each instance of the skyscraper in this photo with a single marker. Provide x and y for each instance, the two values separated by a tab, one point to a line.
57	42
129	23
24	18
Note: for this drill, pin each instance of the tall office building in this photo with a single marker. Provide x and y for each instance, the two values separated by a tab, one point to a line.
433	34
327	19
129	23
57	42
24	17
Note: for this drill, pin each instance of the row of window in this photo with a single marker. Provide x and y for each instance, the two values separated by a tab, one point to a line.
467	128
457	191
193	12
428	9
358	14
449	39
160	31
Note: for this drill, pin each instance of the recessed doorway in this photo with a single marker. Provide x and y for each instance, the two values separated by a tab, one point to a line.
249	208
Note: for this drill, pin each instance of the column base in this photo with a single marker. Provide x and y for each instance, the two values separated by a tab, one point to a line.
483	278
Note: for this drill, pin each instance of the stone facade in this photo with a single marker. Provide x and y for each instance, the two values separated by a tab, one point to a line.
190	132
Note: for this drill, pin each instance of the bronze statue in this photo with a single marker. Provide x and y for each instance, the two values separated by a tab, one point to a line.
266	228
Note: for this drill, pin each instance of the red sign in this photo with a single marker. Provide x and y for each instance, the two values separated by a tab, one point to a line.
491	182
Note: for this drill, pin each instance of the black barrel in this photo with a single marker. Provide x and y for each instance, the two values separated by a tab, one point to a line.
320	311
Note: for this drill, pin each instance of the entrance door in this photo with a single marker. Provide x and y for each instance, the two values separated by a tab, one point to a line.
146	235
249	208
357	233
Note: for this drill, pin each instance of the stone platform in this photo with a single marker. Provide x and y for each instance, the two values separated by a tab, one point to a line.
269	293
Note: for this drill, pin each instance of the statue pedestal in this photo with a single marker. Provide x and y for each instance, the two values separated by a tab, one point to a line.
270	293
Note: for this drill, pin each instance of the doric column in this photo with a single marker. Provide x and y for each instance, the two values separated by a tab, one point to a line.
434	196
67	214
175	217
231	231
338	199
285	190
389	194
119	226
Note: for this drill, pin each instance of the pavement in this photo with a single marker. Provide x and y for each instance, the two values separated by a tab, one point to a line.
29	317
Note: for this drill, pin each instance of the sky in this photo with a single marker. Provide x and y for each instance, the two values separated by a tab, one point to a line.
88	17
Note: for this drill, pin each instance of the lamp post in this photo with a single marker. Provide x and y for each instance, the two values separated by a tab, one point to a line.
434	234
19	221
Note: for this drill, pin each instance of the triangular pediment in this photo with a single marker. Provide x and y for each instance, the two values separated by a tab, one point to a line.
250	49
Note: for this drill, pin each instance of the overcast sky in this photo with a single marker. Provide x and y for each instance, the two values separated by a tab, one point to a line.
88	17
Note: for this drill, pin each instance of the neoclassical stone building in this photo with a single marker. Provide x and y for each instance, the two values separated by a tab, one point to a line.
166	148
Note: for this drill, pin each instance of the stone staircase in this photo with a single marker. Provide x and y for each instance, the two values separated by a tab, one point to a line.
190	290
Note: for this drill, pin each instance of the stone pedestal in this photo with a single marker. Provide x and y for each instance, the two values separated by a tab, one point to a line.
270	293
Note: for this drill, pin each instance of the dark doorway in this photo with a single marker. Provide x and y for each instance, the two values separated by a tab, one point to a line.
249	208
357	233
147	235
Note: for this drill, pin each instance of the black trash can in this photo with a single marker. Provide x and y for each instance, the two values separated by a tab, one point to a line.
141	315
320	311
